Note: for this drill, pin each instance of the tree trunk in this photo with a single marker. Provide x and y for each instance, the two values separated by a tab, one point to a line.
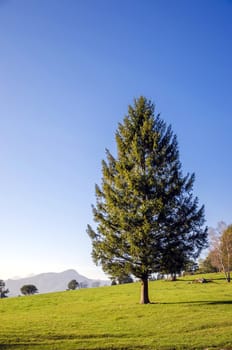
228	276
144	292
173	277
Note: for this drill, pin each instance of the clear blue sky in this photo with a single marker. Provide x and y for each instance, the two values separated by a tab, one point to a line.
68	70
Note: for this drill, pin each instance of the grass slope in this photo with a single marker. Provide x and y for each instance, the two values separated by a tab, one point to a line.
184	315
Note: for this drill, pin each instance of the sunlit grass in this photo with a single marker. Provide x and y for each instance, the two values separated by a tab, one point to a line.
184	315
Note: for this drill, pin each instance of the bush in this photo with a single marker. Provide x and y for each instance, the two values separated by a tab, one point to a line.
28	289
73	284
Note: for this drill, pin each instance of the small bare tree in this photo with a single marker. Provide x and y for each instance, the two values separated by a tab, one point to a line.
226	251
221	248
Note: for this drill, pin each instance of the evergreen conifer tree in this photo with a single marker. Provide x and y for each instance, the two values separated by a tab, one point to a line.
147	219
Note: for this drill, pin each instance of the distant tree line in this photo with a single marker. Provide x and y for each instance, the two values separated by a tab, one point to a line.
74	284
121	279
27	289
30	289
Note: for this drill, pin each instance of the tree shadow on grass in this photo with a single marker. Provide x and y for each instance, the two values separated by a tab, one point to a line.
193	280
200	302
63	347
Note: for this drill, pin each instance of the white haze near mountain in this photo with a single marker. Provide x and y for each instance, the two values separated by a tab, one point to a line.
52	282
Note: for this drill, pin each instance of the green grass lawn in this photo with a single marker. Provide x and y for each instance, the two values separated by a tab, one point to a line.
184	315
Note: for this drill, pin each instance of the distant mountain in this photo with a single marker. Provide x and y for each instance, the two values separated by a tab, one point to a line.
52	282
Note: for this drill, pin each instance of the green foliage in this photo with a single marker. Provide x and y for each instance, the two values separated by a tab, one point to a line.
125	279
73	284
186	315
122	279
206	265
3	290
147	219
191	267
28	289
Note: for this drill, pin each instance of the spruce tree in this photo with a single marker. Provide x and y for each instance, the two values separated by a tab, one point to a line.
147	219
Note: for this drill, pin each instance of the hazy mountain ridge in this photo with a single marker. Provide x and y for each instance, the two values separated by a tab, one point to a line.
51	282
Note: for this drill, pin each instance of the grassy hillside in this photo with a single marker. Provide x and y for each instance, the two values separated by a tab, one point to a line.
184	315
